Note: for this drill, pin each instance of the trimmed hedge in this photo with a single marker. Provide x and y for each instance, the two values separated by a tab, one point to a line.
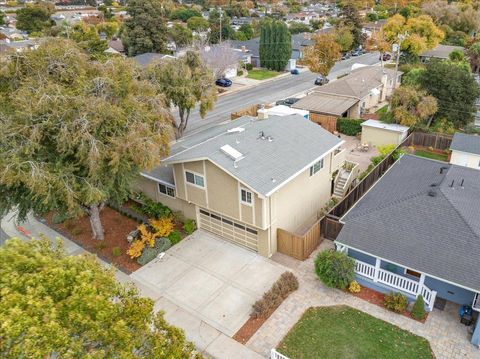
349	126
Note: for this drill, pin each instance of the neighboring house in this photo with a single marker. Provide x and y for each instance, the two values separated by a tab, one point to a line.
372	27
350	96
115	46
252	47
149	58
465	150
377	133
247	178
417	231
303	17
440	52
12	34
239	21
8	47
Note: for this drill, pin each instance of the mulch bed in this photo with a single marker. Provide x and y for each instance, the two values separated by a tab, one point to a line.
249	329
116	226
377	298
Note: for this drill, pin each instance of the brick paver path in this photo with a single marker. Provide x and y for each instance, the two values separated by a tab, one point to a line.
447	336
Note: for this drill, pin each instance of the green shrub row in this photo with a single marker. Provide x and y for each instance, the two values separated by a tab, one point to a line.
349	126
270	301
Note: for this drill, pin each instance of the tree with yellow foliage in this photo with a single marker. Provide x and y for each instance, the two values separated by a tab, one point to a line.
322	55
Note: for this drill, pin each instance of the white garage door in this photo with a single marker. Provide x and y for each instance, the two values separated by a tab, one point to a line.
227	228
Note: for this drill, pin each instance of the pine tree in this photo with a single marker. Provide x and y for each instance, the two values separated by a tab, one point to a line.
418	310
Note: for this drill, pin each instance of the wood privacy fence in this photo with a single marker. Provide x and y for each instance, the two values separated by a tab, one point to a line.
328	122
435	140
299	246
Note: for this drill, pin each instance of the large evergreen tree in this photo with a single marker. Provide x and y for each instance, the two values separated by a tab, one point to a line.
351	19
275	45
455	89
58	306
145	30
75	133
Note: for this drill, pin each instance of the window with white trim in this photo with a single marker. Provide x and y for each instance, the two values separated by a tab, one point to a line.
195	179
166	190
246	196
317	166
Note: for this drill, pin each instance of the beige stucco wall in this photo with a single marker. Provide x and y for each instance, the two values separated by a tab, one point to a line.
300	200
354	111
338	160
465	159
380	137
150	189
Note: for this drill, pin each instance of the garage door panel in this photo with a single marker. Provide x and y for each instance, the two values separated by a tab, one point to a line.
229	229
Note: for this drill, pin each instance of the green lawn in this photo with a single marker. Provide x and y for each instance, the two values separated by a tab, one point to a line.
432	155
260	74
344	332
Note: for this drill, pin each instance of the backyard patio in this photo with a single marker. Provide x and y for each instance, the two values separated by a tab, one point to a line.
355	152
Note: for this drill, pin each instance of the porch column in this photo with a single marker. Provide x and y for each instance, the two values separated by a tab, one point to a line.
421	281
377	269
476	335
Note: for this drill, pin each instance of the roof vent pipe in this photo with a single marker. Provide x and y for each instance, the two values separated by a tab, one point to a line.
453	181
461	184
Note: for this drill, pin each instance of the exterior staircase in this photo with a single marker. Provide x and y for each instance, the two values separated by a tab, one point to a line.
345	177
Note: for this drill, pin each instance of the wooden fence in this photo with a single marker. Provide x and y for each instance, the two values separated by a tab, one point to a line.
299	246
435	140
328	122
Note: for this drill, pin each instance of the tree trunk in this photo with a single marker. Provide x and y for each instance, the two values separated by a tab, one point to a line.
180	127
95	222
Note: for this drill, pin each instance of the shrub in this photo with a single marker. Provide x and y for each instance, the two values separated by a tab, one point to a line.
418	310
335	269
249	67
396	302
136	248
116	251
189	226
154	209
271	299
175	237
239	72
58	218
162	227
149	253
348	126
147	237
354	287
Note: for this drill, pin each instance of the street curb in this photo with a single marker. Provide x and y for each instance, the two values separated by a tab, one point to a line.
254	85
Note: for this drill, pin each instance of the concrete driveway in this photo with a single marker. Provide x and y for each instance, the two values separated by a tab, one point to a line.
215	281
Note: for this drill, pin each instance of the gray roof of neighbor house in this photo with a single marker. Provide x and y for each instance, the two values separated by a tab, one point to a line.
422	214
325	103
290	145
466	143
359	82
441	51
150	57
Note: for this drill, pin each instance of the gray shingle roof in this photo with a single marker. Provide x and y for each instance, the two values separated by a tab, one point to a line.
326	103
399	221
296	144
441	51
466	143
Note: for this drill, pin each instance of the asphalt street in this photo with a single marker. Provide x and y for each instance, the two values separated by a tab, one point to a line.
268	92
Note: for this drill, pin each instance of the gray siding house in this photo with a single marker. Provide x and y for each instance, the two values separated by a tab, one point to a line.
417	231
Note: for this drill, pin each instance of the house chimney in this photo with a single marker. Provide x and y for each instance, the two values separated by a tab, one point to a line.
262	114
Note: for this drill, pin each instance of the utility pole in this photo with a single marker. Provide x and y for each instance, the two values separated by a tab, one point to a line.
401	37
220	41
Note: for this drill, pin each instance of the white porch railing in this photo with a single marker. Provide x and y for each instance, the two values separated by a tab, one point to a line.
276	355
396	281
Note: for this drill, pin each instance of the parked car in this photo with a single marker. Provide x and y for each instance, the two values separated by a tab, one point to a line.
357	52
321	80
295	72
287	102
385	57
345	56
223	82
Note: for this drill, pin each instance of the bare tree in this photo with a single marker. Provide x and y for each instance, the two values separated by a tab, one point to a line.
219	58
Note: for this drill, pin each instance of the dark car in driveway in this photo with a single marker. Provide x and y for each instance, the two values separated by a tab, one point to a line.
321	80
345	56
223	82
295	72
357	52
385	57
287	102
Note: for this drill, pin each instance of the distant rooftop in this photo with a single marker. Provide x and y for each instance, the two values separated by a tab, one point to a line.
386	126
466	143
441	51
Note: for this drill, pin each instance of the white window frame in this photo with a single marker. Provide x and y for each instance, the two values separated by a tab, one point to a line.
314	171
247	192
167	188
195	175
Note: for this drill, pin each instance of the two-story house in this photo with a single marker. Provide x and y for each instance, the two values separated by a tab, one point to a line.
245	179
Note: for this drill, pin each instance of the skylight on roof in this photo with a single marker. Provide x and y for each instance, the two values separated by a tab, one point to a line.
231	152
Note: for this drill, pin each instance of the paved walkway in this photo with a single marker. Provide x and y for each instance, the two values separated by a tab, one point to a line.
448	338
